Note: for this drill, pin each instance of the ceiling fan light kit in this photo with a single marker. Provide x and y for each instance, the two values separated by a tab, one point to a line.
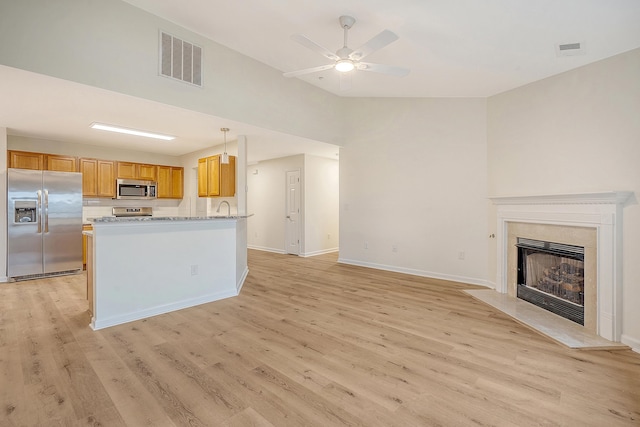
344	65
346	59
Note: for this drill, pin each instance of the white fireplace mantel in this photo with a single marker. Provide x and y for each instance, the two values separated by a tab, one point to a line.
602	211
609	197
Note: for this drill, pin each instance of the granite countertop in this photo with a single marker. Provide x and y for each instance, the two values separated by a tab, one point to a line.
111	219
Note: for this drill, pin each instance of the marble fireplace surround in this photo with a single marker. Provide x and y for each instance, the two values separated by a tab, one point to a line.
592	220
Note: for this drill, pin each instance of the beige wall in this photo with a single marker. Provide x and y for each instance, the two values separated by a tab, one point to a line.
576	132
413	179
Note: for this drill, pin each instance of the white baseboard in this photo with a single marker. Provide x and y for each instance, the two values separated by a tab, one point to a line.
240	283
261	248
322	252
634	343
154	311
421	273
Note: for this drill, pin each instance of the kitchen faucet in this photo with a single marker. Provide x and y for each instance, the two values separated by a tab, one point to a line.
228	207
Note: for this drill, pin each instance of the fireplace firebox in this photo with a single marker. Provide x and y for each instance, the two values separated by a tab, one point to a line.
551	276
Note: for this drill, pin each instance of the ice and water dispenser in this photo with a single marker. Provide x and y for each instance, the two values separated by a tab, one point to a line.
25	211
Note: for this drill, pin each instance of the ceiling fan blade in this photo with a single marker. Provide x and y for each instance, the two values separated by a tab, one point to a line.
345	81
378	42
308	43
384	69
308	70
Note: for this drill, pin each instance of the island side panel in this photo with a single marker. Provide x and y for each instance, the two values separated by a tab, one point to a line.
242	267
147	268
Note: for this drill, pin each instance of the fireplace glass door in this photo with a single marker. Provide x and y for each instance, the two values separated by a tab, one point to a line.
551	276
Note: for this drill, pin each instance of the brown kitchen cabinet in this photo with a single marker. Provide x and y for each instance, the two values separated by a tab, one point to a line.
216	179
129	170
98	178
170	182
85	227
42	161
61	163
147	172
126	170
26	160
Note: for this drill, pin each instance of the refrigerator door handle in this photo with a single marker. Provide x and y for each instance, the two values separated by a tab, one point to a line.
39	211
46	211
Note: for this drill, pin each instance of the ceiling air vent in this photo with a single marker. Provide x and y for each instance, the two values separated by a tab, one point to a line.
180	60
570	49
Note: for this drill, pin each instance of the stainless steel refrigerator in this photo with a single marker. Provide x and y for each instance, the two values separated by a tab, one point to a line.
44	227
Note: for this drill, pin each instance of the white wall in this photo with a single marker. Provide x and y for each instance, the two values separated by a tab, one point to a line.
576	132
266	199
3	204
321	205
413	176
318	205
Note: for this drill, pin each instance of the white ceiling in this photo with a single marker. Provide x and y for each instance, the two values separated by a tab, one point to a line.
454	48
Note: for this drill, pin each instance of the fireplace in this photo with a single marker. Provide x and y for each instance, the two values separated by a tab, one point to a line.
592	221
551	276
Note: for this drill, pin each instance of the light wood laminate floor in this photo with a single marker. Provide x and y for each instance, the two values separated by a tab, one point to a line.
309	342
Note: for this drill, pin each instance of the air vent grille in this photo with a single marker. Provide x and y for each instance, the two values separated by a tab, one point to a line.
570	49
180	59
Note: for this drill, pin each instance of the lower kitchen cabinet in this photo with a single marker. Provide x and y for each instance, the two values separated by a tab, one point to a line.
85	227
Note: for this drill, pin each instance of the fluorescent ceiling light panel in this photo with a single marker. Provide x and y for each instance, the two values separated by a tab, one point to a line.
111	128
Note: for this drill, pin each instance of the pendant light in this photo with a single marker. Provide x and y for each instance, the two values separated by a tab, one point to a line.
225	156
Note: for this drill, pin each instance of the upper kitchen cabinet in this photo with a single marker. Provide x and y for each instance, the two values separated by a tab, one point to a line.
216	179
42	161
98	178
25	160
147	172
61	163
170	182
128	170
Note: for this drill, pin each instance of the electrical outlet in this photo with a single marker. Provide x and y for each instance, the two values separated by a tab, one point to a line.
194	270
366	245
461	255
329	236
394	248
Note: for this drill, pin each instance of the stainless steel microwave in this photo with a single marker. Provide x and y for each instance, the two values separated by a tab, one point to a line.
136	189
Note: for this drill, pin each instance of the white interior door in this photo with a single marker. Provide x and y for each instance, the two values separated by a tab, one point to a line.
293	213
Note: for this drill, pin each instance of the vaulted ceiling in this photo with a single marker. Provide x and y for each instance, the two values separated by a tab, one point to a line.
453	48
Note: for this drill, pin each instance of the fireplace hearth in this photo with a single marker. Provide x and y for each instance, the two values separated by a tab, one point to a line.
551	276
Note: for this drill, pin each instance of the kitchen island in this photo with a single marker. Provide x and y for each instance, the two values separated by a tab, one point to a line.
145	266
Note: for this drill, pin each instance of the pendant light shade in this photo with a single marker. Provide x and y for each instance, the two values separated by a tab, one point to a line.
225	157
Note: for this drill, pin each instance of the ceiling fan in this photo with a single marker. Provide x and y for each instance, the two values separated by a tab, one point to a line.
346	59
